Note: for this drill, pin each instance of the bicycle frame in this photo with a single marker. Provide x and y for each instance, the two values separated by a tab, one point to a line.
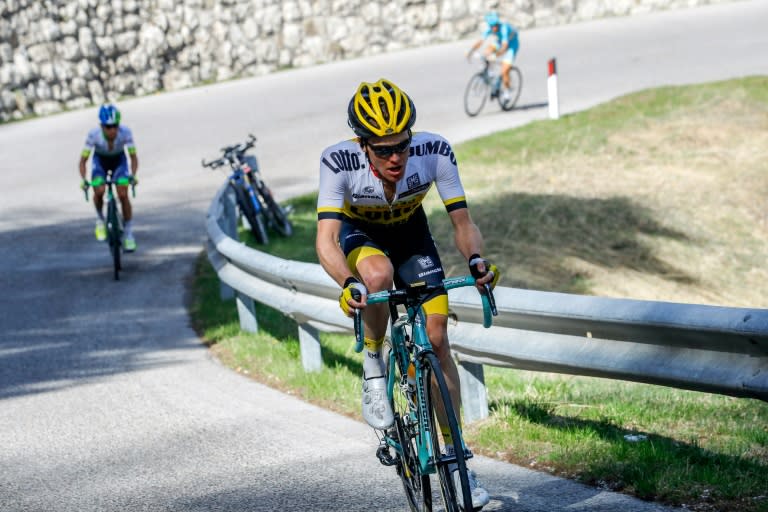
240	177
399	355
492	74
412	349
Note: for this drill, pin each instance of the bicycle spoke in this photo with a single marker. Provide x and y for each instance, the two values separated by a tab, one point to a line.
278	218
417	487
439	397
508	101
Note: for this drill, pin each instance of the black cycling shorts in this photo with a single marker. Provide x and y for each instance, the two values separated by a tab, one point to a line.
409	246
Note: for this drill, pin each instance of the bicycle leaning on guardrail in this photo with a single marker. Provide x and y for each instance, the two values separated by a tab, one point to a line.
112	221
417	389
254	198
488	83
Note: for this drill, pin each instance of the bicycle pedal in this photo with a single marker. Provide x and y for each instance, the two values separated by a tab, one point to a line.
382	453
447	459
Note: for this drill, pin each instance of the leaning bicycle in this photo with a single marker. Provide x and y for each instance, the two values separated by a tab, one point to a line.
488	83
416	389
112	222
253	196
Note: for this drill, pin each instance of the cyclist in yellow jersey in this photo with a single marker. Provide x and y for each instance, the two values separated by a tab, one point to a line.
109	142
372	230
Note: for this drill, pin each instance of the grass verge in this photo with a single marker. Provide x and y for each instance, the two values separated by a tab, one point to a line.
658	195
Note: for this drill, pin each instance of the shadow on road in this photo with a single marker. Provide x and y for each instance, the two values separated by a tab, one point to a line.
64	321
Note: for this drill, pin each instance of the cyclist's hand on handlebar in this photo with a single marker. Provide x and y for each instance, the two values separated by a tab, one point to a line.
84	184
352	296
133	180
484	271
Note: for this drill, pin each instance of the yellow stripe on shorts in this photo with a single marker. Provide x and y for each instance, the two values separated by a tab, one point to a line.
437	305
359	254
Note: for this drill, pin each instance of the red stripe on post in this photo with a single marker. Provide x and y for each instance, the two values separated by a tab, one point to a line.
552	67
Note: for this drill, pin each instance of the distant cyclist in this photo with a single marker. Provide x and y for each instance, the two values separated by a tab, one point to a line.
501	40
109	144
372	231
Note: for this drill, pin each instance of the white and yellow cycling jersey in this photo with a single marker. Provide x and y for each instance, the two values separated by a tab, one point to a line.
350	191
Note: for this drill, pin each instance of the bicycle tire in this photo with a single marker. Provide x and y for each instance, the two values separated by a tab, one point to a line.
417	487
255	221
452	497
514	89
113	237
475	94
278	217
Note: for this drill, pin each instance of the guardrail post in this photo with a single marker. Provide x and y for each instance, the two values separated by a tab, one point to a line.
309	341
246	312
229	227
474	398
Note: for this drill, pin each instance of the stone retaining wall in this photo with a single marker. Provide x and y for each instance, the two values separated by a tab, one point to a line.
64	54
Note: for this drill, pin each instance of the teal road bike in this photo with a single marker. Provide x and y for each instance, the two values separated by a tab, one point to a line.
414	445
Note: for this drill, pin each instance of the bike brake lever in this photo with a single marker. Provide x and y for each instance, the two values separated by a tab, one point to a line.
358	321
491	299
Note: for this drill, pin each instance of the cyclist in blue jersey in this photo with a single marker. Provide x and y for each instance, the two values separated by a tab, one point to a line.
109	143
372	232
502	40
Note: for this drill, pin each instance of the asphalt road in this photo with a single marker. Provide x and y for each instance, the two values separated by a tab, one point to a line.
108	401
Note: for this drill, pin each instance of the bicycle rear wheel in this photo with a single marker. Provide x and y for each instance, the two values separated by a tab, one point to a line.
509	100
475	94
454	500
277	215
418	490
113	237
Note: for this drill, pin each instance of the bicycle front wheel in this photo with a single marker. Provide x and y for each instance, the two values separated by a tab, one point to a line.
454	499
418	491
255	220
509	95
113	237
475	94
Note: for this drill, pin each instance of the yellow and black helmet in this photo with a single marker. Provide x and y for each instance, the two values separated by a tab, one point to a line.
379	109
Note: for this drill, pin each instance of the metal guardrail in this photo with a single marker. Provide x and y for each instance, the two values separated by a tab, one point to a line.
703	348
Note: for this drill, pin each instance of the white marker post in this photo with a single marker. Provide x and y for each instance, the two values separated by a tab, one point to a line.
554	106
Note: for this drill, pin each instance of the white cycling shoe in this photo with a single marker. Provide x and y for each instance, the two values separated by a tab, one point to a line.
376	409
480	497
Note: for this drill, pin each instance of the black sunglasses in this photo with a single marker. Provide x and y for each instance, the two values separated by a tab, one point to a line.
109	126
391	149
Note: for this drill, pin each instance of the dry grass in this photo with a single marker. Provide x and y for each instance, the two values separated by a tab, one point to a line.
659	203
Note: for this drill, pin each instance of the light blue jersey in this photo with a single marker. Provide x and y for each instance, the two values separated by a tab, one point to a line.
506	33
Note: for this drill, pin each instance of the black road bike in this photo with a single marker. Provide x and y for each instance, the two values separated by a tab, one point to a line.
254	198
113	224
